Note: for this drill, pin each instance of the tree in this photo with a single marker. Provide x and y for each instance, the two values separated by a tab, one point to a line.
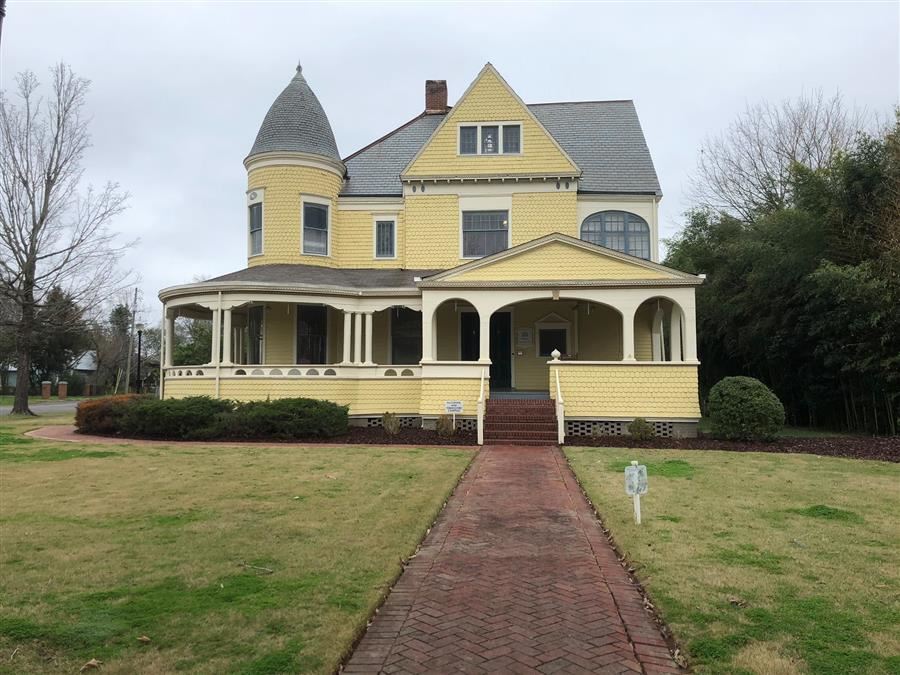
53	233
61	335
746	170
193	341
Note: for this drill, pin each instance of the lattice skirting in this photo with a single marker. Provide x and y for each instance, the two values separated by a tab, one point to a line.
613	428
406	422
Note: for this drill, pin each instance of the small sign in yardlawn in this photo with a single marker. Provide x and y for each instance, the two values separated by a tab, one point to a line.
453	407
636	485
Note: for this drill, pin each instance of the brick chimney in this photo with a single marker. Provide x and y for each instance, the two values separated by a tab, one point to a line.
435	97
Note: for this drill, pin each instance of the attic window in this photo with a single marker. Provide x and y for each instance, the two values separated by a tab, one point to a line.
494	138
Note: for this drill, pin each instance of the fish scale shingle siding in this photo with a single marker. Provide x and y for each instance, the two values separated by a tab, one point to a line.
432	231
535	214
435	392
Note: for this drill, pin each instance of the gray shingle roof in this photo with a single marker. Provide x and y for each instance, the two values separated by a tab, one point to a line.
604	138
296	122
326	276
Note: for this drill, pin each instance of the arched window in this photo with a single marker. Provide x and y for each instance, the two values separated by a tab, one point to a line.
618	230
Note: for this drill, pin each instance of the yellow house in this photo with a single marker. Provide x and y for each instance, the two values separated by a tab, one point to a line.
492	251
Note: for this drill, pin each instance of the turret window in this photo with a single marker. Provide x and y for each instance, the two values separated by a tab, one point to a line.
490	139
255	229
315	228
619	230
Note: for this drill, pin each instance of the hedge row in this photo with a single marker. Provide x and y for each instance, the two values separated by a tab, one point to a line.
204	418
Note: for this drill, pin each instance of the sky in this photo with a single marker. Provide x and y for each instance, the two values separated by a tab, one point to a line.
179	89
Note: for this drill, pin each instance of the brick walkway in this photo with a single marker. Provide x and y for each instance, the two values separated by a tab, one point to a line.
516	576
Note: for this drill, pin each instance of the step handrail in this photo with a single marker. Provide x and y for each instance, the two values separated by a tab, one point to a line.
560	411
480	410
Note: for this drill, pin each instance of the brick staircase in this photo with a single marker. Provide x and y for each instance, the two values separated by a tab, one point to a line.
520	422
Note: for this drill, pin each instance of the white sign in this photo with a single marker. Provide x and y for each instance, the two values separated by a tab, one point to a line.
635	486
523	337
453	407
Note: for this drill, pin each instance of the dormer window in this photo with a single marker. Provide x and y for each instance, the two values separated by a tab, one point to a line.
490	139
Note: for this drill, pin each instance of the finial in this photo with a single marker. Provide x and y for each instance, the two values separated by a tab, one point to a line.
299	67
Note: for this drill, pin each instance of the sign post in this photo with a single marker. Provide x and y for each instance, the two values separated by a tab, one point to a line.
636	485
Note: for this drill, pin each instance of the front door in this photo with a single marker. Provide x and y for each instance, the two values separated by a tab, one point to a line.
501	350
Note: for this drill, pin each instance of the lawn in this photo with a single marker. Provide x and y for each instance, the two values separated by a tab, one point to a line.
100	545
762	563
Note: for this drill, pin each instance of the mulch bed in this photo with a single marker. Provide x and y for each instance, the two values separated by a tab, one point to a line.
886	449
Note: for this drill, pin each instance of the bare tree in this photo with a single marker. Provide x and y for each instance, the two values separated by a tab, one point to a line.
745	170
53	232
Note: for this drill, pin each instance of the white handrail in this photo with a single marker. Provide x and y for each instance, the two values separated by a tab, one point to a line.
560	411
480	409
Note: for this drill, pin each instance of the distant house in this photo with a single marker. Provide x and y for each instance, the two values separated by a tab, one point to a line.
85	365
492	250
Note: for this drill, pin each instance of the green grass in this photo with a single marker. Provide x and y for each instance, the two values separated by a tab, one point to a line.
762	563
102	544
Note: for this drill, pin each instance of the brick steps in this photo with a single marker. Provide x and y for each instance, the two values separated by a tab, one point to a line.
520	422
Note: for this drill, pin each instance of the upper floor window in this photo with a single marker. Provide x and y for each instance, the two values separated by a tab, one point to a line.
484	233
490	139
315	228
618	230
385	238
255	217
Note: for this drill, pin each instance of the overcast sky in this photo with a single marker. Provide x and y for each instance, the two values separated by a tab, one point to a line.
179	89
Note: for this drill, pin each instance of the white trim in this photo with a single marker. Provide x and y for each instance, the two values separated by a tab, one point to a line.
320	201
489	123
376	218
282	158
476	210
494	188
666	364
385	204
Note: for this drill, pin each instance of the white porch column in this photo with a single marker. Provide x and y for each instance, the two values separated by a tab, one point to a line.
170	336
348	329
216	337
675	333
628	332
690	331
368	359
428	350
656	335
226	337
484	336
357	339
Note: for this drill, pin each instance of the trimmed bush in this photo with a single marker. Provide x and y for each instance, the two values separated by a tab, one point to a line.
640	429
285	419
391	424
444	427
744	409
103	415
174	418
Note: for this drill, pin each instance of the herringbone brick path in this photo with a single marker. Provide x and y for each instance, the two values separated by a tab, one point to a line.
515	577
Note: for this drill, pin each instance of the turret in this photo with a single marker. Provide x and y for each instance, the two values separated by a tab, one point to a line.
294	175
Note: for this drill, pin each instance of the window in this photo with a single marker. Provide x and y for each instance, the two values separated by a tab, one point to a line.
315	229
468	140
406	336
618	230
511	139
490	139
484	233
255	228
552	338
385	239
312	333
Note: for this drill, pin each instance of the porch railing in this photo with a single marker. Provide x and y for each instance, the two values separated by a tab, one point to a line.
480	410
293	371
560	412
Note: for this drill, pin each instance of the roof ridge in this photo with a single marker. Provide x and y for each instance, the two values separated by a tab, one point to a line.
607	100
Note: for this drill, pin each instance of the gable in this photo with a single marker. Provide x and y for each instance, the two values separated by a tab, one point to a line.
490	99
558	260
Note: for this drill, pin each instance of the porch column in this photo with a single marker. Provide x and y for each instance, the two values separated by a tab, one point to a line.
368	360
216	337
170	336
348	328
656	335
690	331
484	336
428	350
226	337
675	333
357	339
628	333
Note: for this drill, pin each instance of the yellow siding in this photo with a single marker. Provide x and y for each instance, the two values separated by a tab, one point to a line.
356	247
281	325
436	391
432	232
629	391
381	325
557	260
643	332
180	388
599	333
283	187
335	335
535	214
363	396
488	100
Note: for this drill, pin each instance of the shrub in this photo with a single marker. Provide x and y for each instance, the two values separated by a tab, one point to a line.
744	409
175	418
391	424
103	415
445	427
285	418
640	429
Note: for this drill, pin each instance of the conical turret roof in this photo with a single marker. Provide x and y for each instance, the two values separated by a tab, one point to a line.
296	122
